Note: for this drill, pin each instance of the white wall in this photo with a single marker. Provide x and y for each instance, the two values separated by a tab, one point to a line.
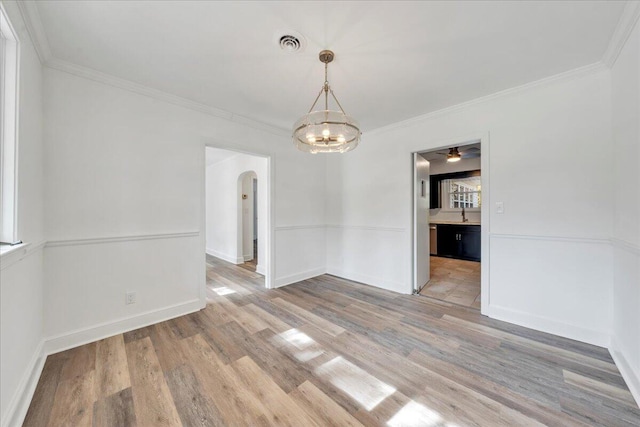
626	188
125	203
549	163
223	203
21	290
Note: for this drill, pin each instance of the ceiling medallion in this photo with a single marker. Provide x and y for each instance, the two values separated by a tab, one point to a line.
326	131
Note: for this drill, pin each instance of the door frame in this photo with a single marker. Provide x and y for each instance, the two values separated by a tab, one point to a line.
269	245
485	210
416	287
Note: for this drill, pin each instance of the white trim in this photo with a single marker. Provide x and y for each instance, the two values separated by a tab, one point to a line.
621	34
260	269
18	406
562	77
122	238
225	257
248	257
107	79
631	378
391	285
38	35
484	140
625	246
570	239
367	228
551	326
97	332
299	227
270	245
18	252
298	277
9	130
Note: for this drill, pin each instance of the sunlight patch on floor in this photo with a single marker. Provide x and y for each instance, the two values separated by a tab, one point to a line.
414	414
354	381
308	347
223	290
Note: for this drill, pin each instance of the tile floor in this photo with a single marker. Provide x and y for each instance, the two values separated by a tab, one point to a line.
454	280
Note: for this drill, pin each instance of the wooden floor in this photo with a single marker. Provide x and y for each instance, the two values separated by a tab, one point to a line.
252	263
454	280
331	352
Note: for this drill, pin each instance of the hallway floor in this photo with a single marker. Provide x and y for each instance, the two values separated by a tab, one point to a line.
454	280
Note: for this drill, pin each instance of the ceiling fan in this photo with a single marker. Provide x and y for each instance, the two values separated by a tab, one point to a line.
455	155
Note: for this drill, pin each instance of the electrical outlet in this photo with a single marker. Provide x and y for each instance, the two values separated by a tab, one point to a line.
499	207
130	298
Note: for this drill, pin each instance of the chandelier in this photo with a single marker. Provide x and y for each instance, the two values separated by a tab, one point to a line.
326	131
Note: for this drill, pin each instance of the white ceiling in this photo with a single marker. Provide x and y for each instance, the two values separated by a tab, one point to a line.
394	60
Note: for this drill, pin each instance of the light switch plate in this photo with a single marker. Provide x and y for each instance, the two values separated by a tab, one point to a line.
499	207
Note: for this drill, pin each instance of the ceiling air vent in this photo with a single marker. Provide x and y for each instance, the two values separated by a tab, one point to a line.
290	41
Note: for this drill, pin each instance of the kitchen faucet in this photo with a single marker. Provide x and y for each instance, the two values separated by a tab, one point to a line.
464	218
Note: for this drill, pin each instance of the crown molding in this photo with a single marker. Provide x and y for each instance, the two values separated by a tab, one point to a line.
31	16
626	23
128	85
576	73
32	21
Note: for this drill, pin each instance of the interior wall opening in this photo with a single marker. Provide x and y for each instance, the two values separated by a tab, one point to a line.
448	224
236	227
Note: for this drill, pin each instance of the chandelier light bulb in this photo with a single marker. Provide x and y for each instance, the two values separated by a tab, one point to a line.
326	133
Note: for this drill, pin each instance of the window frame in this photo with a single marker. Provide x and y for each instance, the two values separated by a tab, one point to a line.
446	197
9	103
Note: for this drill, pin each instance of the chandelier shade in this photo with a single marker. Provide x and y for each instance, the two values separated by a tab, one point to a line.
326	131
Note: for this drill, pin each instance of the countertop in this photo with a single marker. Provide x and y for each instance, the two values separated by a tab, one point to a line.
454	223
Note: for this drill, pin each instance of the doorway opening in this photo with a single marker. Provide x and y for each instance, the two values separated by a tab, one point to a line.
248	222
449	224
236	219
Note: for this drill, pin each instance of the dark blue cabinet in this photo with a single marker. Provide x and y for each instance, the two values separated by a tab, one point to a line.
459	241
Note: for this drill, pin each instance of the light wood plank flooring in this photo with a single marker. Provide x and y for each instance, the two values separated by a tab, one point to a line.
454	280
330	352
252	264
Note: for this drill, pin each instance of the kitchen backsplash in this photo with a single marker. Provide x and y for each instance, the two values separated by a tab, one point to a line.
442	215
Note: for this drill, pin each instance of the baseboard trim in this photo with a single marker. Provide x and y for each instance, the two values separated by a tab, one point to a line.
225	257
298	277
371	281
248	257
631	378
19	404
544	324
90	334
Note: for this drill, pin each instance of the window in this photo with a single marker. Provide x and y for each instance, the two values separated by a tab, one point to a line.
464	193
8	129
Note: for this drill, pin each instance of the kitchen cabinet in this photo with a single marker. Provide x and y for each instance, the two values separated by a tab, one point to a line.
459	241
